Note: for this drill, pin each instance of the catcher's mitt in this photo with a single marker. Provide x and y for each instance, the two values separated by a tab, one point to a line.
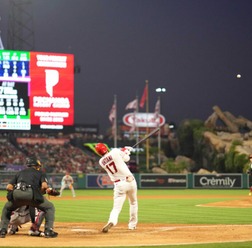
52	192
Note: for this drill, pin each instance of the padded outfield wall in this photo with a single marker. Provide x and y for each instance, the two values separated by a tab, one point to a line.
150	181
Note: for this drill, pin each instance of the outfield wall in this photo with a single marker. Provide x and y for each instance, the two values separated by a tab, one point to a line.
150	181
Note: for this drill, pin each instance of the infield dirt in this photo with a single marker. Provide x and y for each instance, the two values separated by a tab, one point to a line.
89	234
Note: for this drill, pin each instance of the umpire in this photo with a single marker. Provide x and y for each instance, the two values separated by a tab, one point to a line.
27	188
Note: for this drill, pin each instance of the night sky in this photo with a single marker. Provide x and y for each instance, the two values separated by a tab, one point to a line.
193	48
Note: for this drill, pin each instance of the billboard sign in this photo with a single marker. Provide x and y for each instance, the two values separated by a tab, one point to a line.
143	120
36	89
98	181
51	89
163	181
219	181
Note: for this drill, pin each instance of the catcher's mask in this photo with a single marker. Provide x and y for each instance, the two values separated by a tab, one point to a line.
32	161
101	148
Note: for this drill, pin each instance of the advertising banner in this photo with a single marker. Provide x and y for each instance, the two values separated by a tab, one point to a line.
163	181
143	120
51	88
42	141
218	181
98	181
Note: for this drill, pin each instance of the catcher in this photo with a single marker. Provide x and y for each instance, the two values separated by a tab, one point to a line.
27	214
27	188
67	181
24	215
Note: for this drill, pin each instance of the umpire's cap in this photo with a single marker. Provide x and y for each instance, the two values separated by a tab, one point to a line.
32	161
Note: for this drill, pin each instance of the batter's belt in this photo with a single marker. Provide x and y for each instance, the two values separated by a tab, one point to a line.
127	179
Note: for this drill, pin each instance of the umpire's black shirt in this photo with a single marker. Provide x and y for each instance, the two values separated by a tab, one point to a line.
30	176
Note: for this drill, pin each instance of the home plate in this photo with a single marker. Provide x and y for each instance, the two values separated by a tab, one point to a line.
82	230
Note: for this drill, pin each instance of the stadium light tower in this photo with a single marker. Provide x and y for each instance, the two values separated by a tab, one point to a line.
20	34
159	91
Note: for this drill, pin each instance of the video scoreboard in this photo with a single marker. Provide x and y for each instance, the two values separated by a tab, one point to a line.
36	90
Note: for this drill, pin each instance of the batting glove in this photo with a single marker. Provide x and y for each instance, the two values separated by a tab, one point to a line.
129	148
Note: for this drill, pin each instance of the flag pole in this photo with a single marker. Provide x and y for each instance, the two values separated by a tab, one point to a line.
159	133
137	133
115	122
158	111
147	127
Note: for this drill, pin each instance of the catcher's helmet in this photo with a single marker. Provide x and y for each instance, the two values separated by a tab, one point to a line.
32	161
101	148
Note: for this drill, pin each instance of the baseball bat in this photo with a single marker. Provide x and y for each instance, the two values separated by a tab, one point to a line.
147	136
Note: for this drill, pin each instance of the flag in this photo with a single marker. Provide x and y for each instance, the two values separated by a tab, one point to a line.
132	105
112	113
144	96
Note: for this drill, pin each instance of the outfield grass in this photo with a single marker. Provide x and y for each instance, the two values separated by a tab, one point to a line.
181	210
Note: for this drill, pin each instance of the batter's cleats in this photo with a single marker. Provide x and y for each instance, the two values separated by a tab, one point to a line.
107	227
49	233
132	228
3	233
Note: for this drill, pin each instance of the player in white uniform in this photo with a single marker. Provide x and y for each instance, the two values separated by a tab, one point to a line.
114	163
67	181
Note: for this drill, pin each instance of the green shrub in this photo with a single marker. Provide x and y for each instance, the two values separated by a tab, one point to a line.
173	167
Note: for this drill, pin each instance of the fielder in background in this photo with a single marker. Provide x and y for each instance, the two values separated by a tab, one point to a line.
249	171
114	163
67	181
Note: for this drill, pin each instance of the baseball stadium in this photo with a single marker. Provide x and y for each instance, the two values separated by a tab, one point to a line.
88	161
167	218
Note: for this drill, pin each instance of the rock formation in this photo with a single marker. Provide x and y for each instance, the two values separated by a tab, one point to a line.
232	129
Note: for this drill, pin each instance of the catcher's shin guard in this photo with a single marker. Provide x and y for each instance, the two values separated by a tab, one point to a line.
39	218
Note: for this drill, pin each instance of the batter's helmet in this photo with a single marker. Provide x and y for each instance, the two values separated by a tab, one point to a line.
32	161
101	148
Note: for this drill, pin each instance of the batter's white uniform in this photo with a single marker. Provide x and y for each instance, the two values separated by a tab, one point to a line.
124	184
67	181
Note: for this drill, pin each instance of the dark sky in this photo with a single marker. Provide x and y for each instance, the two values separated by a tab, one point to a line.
193	48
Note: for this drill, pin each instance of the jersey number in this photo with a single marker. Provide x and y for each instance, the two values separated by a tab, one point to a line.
111	167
